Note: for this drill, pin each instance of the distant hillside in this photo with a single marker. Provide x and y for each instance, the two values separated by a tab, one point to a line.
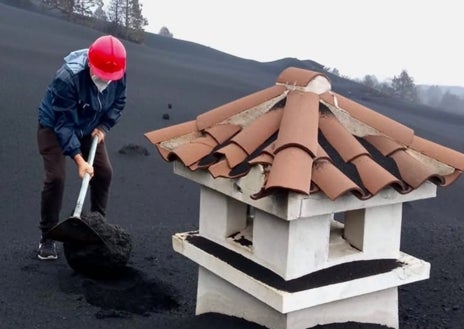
448	98
456	90
165	70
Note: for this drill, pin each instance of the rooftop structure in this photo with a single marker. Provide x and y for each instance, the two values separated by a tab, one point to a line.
301	204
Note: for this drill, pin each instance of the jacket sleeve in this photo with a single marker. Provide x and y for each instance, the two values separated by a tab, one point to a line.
65	106
112	116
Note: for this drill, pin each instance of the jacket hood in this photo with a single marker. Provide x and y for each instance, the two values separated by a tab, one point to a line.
77	60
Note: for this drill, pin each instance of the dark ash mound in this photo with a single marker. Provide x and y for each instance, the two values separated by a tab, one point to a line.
102	259
132	291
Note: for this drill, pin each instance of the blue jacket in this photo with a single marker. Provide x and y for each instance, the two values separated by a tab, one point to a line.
73	106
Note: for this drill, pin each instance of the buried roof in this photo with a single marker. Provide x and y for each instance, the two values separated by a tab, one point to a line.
307	139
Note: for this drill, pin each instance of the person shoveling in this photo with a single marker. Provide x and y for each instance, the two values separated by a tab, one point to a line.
85	99
91	245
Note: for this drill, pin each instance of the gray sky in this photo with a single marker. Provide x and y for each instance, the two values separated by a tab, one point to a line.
357	37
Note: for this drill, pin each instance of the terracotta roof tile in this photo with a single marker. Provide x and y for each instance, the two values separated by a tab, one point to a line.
332	182
260	130
229	110
449	179
340	138
164	134
293	76
379	122
233	153
441	153
374	177
384	144
291	169
220	169
163	152
265	156
308	139
189	153
299	124
222	132
420	173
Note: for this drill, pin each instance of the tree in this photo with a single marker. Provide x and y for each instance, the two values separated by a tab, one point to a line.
370	81
164	31
66	6
136	22
86	7
72	7
116	12
100	14
386	88
451	101
336	72
127	19
433	96
404	87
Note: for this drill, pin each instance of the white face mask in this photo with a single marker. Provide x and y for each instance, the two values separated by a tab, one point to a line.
101	84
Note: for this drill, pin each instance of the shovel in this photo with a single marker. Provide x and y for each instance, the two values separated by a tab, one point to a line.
74	229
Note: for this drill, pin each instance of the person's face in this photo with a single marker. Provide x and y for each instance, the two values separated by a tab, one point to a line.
100	83
94	76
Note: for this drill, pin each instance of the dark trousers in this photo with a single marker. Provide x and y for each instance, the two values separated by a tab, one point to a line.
54	179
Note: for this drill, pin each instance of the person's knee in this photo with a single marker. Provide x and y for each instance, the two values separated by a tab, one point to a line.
103	175
55	180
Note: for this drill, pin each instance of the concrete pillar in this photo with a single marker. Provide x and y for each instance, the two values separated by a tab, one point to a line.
220	215
376	231
291	248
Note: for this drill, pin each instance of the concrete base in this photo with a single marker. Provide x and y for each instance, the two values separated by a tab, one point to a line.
219	296
223	288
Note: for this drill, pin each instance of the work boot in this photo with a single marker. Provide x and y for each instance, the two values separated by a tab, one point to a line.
47	249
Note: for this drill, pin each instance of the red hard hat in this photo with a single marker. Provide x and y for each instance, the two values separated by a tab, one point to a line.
107	58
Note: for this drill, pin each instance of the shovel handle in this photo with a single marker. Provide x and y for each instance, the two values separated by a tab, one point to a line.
86	179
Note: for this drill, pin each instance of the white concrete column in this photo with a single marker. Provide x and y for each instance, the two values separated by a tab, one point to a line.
291	248
220	215
376	231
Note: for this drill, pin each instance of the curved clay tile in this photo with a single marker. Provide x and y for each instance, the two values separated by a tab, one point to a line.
222	132
341	140
219	169
240	170
291	169
413	171
270	149
194	167
254	135
374	177
441	153
385	125
233	153
299	124
263	158
163	152
266	156
225	111
297	77
321	153
385	145
448	179
330	180
195	150
164	134
314	188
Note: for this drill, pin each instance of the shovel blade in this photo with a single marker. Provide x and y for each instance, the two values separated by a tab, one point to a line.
74	230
